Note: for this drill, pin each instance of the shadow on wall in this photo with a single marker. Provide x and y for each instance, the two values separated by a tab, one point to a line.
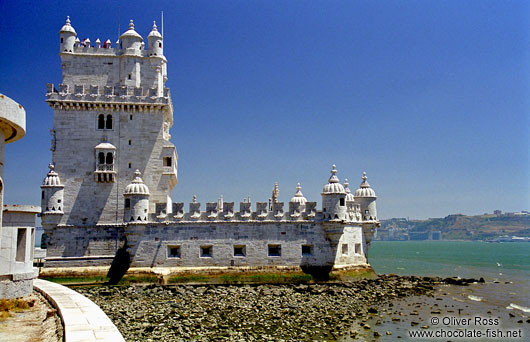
120	265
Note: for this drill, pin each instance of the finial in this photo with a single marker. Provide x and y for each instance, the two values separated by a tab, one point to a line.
298	187
154	26
51	167
346	183
364	183
194	199
333	178
137	173
131	25
67	20
364	176
298	191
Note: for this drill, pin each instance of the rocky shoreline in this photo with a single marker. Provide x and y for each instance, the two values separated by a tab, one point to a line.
287	312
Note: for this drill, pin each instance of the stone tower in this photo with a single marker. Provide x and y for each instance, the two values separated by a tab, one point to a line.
365	197
333	198
111	116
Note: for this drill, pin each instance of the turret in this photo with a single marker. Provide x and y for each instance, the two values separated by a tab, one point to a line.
67	35
365	197
131	40
334	198
136	200
52	193
297	202
350	201
154	40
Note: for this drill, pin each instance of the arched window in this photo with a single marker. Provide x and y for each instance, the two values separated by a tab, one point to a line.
101	121
159	44
101	158
109	122
109	160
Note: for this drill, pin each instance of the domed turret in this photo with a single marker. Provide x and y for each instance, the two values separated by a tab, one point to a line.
154	40
365	196
334	198
67	35
52	193
131	39
298	196
136	200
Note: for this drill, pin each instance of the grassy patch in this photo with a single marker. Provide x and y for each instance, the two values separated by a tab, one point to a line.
70	280
126	280
188	279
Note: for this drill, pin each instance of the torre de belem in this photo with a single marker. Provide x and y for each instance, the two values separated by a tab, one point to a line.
108	190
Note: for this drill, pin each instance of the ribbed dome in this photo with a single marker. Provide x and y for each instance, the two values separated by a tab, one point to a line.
154	32
365	190
298	196
52	179
137	186
333	186
349	195
67	27
131	33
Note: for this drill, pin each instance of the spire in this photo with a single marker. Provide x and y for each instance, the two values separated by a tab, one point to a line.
364	183
333	178
131	25
275	193
194	200
154	32
346	184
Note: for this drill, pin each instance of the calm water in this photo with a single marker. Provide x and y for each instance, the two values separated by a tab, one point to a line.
452	258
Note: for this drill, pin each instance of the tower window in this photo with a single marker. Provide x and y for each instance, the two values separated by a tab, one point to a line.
130	165
173	252
21	244
108	124
167	161
42	197
130	76
101	121
307	250
130	117
61	40
342	202
130	142
101	158
206	251
159	44
275	250
109	160
344	249
239	251
127	203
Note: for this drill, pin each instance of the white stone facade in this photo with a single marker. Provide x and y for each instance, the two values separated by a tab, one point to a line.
114	180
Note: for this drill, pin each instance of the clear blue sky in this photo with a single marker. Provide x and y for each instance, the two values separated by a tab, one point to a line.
430	98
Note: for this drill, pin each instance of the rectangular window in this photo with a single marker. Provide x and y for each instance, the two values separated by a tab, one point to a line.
173	252
358	248
342	202
127	203
344	249
275	250
206	251
21	244
130	142
307	250
239	251
167	161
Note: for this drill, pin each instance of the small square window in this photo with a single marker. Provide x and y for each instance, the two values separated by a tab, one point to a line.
206	251
307	250
344	249
358	248
275	250
167	161
239	251
173	252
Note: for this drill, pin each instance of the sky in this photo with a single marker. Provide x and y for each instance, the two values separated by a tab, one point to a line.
430	98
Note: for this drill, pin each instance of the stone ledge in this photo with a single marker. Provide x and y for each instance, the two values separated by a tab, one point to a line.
83	320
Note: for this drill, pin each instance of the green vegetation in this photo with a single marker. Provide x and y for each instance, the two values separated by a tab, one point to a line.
78	280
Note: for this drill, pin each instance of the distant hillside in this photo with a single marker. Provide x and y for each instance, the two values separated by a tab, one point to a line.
461	227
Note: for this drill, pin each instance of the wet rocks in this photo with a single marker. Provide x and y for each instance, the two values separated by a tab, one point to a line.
304	312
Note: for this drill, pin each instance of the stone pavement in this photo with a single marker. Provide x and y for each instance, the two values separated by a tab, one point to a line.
83	320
